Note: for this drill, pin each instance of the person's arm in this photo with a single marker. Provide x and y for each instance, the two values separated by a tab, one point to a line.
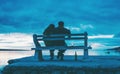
68	32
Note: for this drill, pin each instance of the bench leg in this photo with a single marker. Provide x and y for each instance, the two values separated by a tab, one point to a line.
51	54
40	57
38	54
60	54
85	53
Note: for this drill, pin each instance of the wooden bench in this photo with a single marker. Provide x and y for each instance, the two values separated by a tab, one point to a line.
82	36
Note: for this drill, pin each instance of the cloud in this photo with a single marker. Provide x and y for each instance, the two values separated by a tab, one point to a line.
97	45
100	36
84	27
16	40
75	28
81	28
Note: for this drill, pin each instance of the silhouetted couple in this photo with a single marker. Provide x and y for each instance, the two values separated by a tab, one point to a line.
58	30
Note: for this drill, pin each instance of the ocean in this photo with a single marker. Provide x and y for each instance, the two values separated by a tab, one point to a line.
1	68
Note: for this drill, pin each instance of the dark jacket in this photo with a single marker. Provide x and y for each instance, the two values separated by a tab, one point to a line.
61	30
47	32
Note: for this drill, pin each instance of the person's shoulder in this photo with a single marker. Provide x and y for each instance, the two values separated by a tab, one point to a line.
66	29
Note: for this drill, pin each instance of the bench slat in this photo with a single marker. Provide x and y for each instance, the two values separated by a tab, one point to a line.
79	38
57	35
60	47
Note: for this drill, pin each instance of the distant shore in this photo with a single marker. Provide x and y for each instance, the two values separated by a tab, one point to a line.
117	49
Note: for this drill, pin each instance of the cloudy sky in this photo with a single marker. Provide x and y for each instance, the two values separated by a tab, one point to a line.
32	16
19	19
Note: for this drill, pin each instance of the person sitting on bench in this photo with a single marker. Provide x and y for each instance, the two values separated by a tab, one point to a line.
49	30
61	30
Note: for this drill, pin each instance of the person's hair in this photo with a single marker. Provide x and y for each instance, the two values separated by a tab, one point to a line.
61	24
52	25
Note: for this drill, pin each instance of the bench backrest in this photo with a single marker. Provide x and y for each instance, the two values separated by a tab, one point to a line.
81	36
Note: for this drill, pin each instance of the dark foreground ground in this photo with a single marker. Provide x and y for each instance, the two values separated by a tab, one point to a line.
91	65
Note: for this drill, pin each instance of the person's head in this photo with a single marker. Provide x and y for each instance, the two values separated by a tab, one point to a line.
51	26
60	24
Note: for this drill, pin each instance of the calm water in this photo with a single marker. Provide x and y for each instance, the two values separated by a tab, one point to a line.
1	68
99	47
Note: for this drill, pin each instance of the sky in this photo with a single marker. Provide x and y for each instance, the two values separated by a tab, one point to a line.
20	19
33	16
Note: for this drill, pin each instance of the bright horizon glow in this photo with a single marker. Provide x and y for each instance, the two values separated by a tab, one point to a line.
100	36
16	40
23	40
